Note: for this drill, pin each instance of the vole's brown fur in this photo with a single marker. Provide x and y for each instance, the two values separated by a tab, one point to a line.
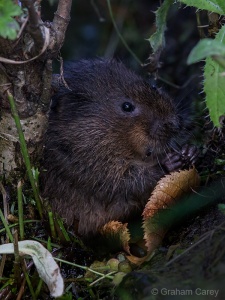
106	144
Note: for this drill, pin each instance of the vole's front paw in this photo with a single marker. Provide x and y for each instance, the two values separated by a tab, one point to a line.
179	160
189	154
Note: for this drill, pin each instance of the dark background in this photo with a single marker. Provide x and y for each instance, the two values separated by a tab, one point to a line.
91	33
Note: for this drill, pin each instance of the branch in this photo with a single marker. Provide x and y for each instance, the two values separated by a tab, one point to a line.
60	23
34	27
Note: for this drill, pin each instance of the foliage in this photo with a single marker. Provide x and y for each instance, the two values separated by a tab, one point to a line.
214	86
212	50
8	25
217	6
206	47
157	40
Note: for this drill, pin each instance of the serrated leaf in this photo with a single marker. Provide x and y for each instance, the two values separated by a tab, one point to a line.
46	266
8	25
169	189
214	84
205	48
217	6
116	234
9	8
138	260
157	40
9	29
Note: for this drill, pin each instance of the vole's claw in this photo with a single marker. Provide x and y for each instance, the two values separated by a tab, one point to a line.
172	162
189	154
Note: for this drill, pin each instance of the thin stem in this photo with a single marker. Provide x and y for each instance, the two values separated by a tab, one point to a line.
63	230
5	202
120	35
40	283
24	151
51	224
16	224
20	209
101	278
6	226
28	280
85	268
17	268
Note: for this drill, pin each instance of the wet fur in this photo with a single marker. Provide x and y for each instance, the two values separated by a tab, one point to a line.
95	154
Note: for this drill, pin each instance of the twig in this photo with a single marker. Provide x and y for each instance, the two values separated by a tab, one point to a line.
2	265
21	291
60	22
20	209
21	30
62	73
6	293
3	260
17	268
24	267
19	62
5	204
34	26
24	152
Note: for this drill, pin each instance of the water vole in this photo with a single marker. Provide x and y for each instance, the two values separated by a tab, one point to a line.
110	138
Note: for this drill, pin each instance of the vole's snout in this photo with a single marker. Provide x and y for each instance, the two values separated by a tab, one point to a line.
161	129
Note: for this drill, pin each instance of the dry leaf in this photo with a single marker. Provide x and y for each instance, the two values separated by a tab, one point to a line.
46	266
138	260
117	233
168	190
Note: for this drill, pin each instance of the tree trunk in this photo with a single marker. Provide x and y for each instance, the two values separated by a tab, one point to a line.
26	72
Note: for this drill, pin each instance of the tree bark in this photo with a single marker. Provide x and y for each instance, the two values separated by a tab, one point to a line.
26	71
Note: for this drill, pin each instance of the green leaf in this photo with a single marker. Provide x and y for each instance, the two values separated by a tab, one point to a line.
205	48
217	6
221	207
214	84
157	40
8	25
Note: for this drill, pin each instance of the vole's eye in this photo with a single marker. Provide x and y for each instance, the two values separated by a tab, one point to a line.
128	107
